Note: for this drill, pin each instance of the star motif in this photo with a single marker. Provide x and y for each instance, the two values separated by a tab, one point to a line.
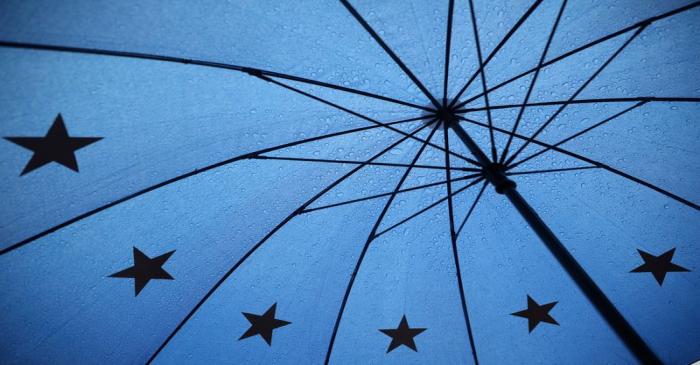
55	146
263	325
402	335
658	266
145	269
536	313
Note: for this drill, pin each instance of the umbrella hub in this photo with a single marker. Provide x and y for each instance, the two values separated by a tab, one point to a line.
495	173
446	114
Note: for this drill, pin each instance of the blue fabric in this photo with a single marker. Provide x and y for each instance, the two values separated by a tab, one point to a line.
162	120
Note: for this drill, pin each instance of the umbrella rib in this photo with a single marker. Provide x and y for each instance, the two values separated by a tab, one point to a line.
587	101
266	237
551	170
533	81
432	205
472	207
387	164
455	253
448	44
187	175
494	153
361	116
203	63
578	134
588	45
419	187
370	239
596	163
578	91
389	51
493	53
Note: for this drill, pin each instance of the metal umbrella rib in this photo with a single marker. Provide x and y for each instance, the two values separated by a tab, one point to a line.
595	163
194	172
295	213
643	23
204	63
371	238
495	175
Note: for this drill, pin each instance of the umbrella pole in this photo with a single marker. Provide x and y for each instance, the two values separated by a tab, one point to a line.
494	174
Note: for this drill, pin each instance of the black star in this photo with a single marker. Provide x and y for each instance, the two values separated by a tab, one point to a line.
402	335
536	313
56	146
145	269
263	325
660	265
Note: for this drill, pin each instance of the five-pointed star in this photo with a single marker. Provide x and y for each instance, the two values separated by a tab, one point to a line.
536	313
402	335
56	146
659	266
263	325
145	269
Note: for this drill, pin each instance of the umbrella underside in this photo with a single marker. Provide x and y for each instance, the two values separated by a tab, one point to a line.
351	220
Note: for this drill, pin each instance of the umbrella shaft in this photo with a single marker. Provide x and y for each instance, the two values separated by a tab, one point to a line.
494	174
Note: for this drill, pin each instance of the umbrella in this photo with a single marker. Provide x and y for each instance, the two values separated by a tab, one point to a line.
350	182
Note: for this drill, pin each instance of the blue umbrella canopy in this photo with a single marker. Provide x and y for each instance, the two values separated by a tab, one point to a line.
350	182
